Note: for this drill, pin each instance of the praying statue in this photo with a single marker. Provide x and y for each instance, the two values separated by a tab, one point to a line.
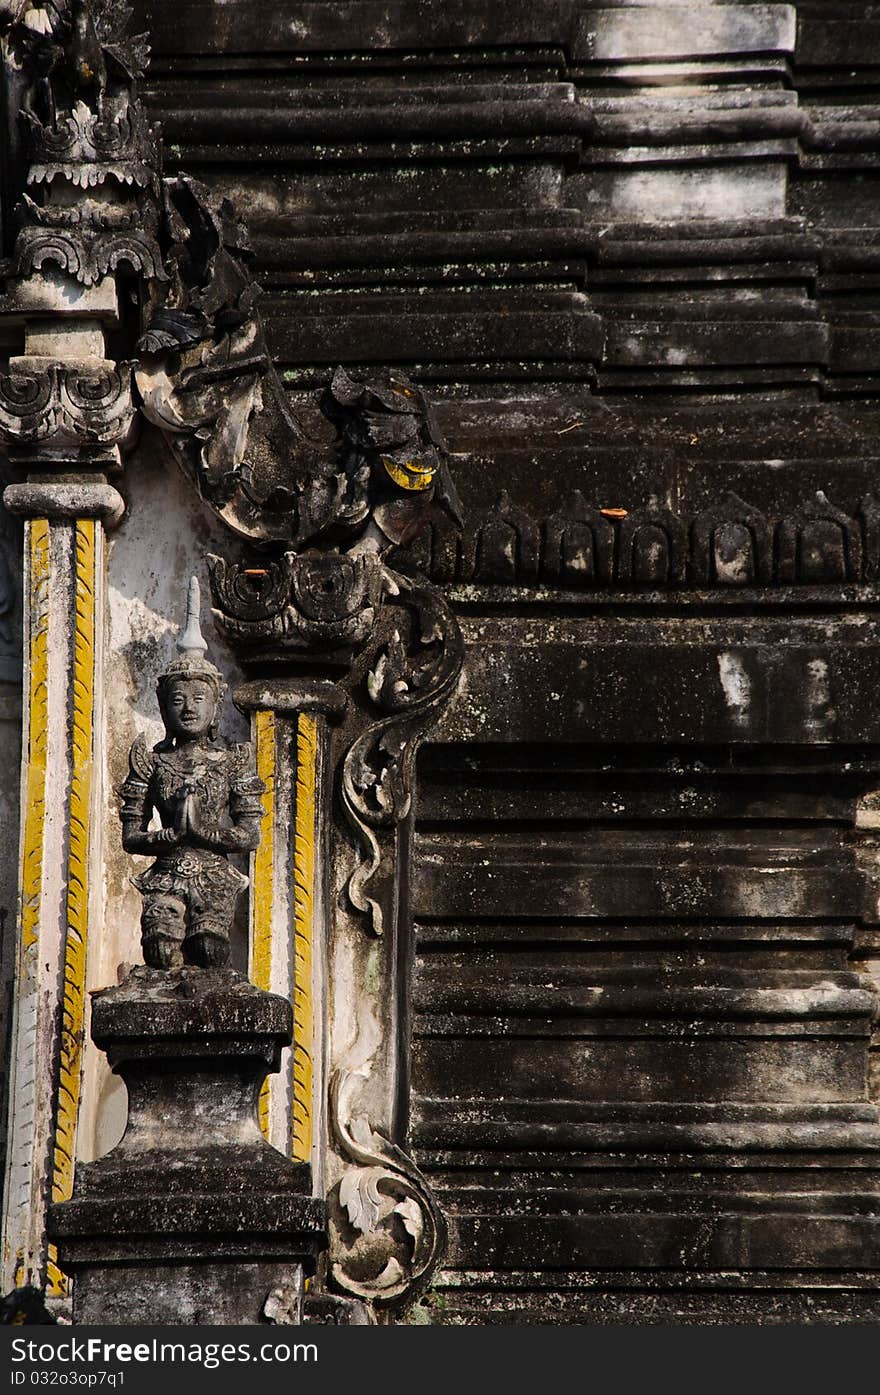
207	798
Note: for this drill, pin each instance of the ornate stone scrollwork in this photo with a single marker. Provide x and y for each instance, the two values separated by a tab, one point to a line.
321	603
392	644
86	131
409	680
87	255
387	1232
66	404
206	379
87	147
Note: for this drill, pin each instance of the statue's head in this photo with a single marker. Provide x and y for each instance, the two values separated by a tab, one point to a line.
190	707
191	689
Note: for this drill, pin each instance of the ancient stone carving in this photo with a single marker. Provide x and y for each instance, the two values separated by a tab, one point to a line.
66	404
87	255
393	453
578	544
409	680
206	379
194	785
507	546
322	603
387	1232
87	132
651	548
819	543
727	544
87	147
731	545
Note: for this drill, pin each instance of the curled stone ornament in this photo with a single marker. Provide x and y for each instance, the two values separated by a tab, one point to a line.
409	680
86	255
66	403
86	146
93	172
322	603
387	1232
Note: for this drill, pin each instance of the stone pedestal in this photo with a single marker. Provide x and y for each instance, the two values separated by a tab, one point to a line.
193	1217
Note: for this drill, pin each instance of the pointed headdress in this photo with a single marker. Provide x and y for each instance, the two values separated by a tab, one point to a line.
192	653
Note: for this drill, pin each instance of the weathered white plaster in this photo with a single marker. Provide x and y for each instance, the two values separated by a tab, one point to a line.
162	542
818	701
736	686
615	34
749	189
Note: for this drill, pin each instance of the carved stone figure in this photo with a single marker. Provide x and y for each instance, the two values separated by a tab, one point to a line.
207	797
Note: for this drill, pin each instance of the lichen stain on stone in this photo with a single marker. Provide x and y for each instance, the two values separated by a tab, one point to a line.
736	686
820	710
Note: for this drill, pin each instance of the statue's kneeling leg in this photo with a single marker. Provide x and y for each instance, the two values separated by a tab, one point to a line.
163	927
207	943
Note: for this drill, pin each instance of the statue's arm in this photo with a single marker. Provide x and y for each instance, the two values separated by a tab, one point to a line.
137	805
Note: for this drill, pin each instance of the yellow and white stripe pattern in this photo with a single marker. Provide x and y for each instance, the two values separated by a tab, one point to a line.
304	863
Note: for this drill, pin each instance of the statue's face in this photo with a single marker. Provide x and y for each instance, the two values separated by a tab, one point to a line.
191	707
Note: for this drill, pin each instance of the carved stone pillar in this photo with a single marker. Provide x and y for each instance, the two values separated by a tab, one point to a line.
288	938
59	868
87	208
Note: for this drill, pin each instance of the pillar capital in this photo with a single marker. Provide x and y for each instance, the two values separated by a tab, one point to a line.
289	696
60	501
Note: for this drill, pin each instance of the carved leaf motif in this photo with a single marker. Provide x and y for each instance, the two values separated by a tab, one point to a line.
361	1199
390	1276
412	1217
383	1195
409	679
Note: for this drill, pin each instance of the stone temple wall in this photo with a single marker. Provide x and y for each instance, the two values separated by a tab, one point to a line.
589	981
630	249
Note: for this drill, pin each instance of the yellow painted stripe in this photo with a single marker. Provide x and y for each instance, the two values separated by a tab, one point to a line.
264	864
303	933
77	906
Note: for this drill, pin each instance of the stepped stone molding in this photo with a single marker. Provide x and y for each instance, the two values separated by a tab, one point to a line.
730	544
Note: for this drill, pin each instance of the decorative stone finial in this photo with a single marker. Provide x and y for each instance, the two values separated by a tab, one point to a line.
191	639
192	653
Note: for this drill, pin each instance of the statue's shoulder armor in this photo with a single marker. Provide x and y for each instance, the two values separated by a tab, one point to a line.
241	756
142	759
244	777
